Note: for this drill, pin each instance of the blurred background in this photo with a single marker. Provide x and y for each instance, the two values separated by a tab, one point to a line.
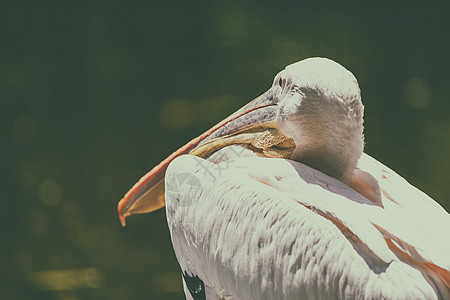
94	94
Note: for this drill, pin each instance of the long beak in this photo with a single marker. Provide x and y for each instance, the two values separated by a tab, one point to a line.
254	124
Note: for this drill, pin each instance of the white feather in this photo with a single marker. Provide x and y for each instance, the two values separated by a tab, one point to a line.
258	228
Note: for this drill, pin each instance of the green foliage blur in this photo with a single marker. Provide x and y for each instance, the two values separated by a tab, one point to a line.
93	94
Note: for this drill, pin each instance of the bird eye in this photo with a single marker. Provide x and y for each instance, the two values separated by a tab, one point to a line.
280	82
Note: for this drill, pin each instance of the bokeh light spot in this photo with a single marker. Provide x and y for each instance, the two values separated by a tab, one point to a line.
177	114
93	278
50	192
169	282
417	93
70	279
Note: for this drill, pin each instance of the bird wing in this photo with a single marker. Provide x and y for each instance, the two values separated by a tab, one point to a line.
259	228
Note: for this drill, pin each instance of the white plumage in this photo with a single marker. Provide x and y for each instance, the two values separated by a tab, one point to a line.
259	228
330	223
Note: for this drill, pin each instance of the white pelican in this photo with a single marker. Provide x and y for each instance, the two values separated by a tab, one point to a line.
287	206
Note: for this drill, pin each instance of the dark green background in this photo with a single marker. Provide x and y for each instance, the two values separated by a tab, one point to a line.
94	94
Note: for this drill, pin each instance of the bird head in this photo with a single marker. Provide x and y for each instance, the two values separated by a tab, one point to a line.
320	108
312	113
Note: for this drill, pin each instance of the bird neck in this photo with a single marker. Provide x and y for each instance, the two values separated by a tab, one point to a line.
335	153
328	161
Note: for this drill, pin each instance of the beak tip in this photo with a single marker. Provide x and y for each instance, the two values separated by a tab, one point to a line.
122	220
121	215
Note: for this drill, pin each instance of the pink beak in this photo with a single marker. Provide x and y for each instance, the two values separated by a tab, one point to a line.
147	194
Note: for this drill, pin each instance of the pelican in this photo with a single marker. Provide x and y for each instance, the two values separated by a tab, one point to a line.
278	201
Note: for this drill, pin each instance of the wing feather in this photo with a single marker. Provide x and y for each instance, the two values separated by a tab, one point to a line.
258	228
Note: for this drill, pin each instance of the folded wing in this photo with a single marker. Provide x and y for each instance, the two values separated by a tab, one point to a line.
258	228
